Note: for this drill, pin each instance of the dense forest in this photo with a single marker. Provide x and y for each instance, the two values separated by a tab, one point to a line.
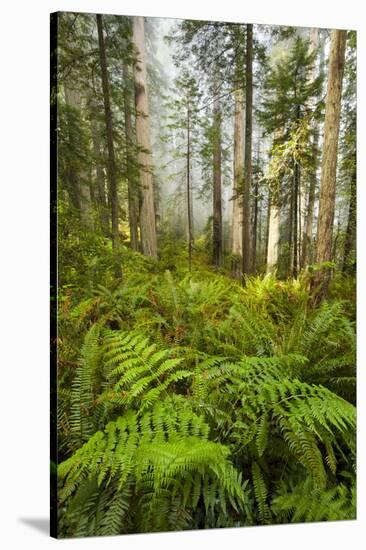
206	308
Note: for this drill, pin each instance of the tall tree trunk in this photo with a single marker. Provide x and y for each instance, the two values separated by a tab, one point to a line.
260	236
290	266
112	177
273	234
267	232
100	195
78	180
132	185
350	240
248	151
300	225
296	219
329	161
236	242
256	211
71	176
308	231
301	218
189	198
217	204
255	225
147	211
309	213
336	238
273	221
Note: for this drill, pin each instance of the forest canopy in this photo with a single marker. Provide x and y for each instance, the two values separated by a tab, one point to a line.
205	224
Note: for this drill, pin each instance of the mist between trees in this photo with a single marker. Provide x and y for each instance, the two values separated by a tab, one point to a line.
206	200
211	132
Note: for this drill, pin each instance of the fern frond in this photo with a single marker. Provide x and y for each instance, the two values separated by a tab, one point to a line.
261	494
304	503
164	449
140	374
82	420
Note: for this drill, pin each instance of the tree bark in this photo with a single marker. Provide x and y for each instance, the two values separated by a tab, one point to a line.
295	207
78	180
189	198
71	176
309	213
217	204
255	228
273	235
133	192
236	245
112	177
147	210
100	195
350	240
256	238
268	217
329	161
273	221
259	252
248	151
290	266
308	232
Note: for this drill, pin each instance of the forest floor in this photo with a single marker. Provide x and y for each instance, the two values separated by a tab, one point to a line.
253	387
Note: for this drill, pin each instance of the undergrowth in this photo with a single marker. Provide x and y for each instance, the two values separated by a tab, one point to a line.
187	400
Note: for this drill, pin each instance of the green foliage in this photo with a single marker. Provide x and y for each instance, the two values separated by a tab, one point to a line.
161	461
289	89
187	399
304	503
82	419
138	372
194	402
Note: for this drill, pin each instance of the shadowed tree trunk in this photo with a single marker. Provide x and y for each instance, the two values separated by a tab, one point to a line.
71	179
258	254
268	216
236	246
217	205
246	258
290	265
112	177
133	191
147	210
329	161
256	239
100	194
309	214
350	240
308	231
255	227
189	199
78	180
295	207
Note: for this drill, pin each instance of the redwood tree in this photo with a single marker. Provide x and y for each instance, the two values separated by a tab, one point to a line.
248	151
147	210
329	160
112	176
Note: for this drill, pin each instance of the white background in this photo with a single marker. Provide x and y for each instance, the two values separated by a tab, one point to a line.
24	257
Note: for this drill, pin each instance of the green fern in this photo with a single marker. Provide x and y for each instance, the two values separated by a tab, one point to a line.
166	452
139	374
82	412
191	402
261	494
304	503
313	422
